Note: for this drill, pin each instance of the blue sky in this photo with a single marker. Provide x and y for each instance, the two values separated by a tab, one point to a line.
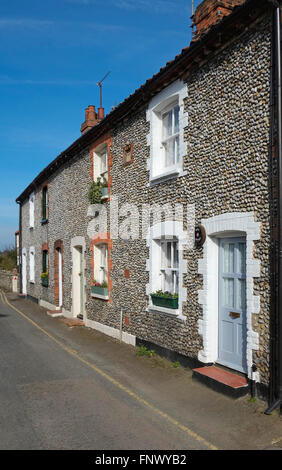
52	54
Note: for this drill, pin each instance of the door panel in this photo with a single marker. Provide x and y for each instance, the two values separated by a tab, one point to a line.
232	303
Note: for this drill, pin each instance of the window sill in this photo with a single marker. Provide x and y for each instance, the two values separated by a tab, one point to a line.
171	174
101	297
169	311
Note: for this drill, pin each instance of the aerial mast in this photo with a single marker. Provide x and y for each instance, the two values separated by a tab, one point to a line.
100	84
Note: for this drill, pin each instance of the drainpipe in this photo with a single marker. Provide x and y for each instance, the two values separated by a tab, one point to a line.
20	246
277	400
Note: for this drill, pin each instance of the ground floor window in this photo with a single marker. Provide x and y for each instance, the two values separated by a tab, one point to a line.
101	263
169	268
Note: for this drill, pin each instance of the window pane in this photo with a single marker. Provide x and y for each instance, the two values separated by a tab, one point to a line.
228	265
169	254
168	281
163	255
175	255
44	203
176	119
104	162
176	149
228	290
45	262
242	258
169	153
241	294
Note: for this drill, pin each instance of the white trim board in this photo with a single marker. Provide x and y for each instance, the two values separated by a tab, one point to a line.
110	331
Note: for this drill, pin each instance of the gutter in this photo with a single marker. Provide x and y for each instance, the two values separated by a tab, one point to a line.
276	374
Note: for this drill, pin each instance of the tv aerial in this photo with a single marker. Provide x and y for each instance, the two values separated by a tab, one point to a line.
100	84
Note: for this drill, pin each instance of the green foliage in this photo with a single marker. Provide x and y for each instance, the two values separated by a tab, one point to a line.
8	259
95	192
143	351
98	284
176	364
44	275
166	294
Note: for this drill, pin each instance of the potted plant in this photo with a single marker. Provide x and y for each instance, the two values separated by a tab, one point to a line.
165	299
44	279
99	288
95	192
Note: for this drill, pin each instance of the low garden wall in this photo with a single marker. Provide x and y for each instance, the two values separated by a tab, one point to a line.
8	280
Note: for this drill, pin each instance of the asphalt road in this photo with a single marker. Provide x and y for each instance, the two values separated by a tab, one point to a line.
74	388
50	400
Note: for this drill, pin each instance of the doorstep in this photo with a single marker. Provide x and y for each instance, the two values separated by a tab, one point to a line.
54	313
222	381
72	321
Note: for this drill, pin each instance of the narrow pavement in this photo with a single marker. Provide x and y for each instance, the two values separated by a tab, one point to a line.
74	388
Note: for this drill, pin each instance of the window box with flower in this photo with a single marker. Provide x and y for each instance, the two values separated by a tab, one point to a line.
100	289
165	299
44	279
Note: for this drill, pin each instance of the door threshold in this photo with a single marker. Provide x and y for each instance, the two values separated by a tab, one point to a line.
222	380
229	369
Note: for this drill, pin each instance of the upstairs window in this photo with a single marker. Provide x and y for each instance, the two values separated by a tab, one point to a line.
45	204
31	210
170	131
101	164
167	121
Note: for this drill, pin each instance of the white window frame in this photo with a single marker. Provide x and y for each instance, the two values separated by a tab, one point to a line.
31	210
170	97
166	232
100	171
32	264
168	267
101	266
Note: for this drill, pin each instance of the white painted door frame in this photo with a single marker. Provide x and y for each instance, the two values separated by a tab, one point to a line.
78	276
60	266
24	271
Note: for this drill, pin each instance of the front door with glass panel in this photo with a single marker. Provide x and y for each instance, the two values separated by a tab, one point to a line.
232	304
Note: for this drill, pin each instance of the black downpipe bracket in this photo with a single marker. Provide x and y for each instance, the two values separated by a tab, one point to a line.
277	374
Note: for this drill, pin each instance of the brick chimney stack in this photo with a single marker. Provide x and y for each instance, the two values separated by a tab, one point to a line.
91	119
211	12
